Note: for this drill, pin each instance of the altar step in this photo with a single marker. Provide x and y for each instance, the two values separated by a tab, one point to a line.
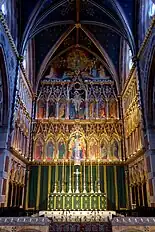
80	227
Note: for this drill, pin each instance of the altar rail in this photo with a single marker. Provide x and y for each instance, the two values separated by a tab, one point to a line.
77	201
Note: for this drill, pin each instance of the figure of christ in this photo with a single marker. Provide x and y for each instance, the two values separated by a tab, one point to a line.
77	148
77	100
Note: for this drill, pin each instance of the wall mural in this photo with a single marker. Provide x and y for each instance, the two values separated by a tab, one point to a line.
77	61
86	91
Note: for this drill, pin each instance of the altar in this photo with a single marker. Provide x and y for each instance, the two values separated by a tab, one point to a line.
84	216
77	201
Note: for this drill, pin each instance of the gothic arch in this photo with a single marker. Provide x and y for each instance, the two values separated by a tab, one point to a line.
151	91
4	106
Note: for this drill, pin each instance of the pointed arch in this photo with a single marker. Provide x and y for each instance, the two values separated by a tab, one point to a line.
33	18
50	53
123	20
151	90
4	101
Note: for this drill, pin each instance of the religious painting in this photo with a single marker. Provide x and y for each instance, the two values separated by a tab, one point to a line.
93	149
104	149
92	110
38	151
82	111
61	149
113	108
72	113
115	149
41	109
49	150
77	147
62	109
51	110
102	109
77	105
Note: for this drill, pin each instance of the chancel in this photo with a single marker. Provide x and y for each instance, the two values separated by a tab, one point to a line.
77	115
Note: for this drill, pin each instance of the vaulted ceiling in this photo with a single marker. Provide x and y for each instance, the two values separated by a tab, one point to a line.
96	25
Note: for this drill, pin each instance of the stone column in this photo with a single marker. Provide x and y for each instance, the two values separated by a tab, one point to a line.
107	109
97	111
47	109
57	109
67	109
86	110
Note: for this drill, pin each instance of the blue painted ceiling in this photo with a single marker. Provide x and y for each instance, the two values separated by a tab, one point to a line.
102	22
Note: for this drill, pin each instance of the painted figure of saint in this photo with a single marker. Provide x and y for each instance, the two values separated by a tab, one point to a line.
49	150
91	110
62	108
52	73
38	150
51	110
41	109
113	109
104	150
72	113
115	149
102	112
93	149
61	149
101	72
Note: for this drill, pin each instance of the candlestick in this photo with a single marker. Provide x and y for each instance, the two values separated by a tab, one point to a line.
84	179
91	177
70	178
98	185
56	173
63	173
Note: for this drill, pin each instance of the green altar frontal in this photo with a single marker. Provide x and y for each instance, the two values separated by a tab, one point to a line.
77	201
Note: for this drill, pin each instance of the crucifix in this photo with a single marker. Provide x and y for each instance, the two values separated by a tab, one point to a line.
77	173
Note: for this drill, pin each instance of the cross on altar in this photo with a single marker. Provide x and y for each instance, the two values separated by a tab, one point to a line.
77	173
